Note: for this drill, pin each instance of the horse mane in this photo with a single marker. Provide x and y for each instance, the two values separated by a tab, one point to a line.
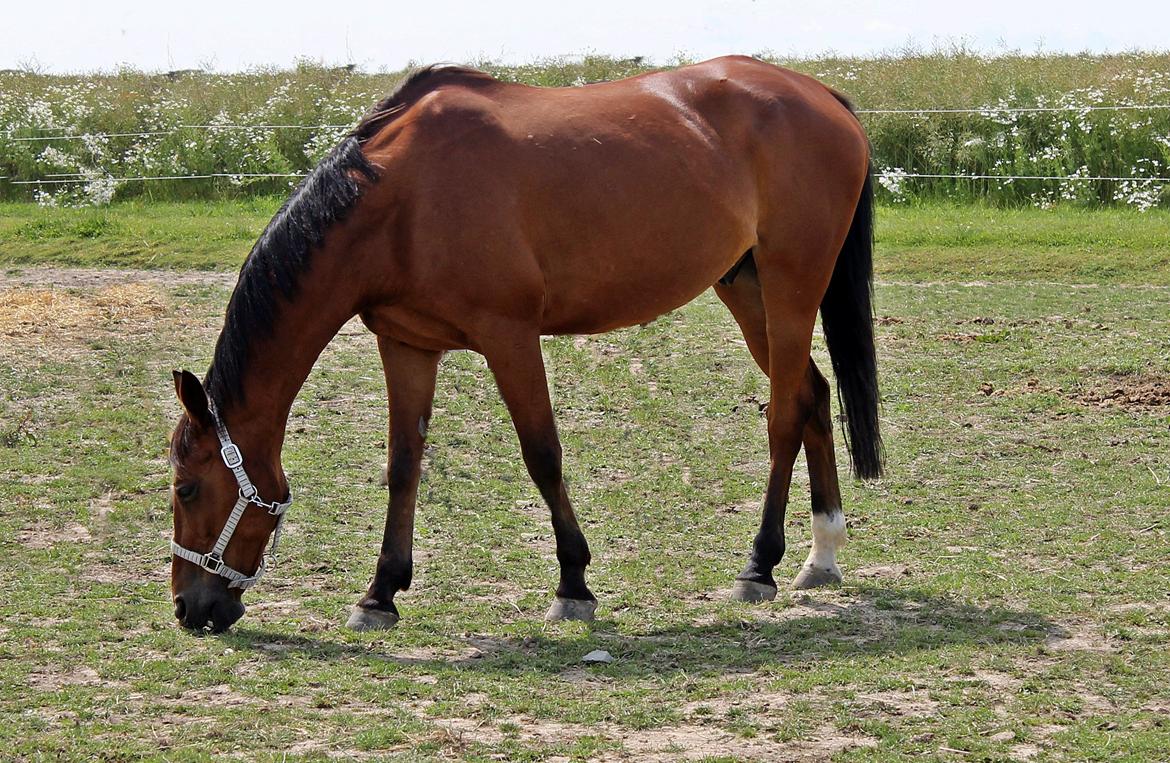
417	83
272	271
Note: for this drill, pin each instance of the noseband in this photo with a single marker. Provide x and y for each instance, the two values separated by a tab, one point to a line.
213	560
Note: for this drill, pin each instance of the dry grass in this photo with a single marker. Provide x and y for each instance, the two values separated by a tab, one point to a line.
33	311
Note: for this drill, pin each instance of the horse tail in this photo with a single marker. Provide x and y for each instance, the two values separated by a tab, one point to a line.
847	319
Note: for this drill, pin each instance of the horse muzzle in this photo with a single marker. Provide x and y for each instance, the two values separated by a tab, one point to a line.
199	608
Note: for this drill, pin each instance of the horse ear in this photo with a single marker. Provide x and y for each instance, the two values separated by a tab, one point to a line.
192	397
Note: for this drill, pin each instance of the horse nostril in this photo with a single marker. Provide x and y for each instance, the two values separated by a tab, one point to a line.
180	607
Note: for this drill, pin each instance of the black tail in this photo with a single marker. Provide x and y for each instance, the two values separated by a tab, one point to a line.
847	318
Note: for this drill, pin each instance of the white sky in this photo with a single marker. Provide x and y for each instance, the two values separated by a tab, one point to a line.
84	35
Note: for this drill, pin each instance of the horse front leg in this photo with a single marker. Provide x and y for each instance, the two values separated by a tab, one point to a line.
519	370
410	381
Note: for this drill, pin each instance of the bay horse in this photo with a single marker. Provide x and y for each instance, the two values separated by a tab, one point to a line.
464	212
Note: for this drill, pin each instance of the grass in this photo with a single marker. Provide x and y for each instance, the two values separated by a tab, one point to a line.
997	142
1006	582
915	242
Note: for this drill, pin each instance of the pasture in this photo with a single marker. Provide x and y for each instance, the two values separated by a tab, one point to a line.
89	135
1006	582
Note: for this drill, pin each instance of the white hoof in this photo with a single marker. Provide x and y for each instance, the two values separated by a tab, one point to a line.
816	577
751	591
571	609
362	619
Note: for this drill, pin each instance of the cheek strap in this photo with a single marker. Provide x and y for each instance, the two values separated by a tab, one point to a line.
212	561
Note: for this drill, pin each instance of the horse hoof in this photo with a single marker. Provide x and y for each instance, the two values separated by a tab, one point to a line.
751	591
362	619
816	577
571	609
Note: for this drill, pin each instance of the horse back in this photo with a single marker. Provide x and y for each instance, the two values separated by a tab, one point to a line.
594	207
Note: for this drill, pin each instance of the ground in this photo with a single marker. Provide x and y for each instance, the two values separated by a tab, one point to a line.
1006	585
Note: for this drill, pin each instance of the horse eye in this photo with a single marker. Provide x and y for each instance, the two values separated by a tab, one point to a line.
186	491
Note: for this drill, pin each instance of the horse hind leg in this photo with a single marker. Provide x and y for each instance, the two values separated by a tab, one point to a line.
828	519
743	298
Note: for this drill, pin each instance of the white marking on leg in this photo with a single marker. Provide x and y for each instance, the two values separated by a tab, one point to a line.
828	536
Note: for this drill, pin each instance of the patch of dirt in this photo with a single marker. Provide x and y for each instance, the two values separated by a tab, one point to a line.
219	695
1131	392
101	507
759	702
265	609
1078	637
41	536
1023	752
100	569
883	571
915	704
52	679
1001	682
90	278
1139	606
668	743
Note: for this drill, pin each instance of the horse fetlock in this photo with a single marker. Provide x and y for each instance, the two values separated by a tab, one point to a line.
820	568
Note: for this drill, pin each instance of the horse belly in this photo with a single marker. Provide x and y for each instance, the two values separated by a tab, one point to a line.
635	225
602	293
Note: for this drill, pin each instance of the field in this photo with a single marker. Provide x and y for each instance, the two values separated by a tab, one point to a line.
1033	115
1006	594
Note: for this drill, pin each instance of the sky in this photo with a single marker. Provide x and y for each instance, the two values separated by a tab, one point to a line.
83	35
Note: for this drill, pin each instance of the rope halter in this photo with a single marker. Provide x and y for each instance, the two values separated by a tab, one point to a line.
212	561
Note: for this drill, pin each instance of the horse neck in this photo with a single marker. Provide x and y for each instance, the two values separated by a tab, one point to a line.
280	363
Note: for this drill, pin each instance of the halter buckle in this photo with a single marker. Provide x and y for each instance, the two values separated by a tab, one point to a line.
231	455
212	562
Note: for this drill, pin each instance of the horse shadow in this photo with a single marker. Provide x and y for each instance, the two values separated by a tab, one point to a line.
863	621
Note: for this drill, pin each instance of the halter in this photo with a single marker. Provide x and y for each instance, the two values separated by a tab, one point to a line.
213	560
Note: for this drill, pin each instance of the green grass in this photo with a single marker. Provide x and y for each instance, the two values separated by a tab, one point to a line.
202	235
998	142
1006	581
915	242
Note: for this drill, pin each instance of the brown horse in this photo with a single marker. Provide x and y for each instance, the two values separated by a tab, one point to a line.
468	213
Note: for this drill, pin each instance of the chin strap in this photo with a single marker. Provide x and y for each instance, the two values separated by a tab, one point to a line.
212	561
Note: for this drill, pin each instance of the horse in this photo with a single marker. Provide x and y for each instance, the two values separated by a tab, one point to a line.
468	213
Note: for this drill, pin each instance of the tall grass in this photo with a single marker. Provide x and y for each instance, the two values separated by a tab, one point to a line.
1076	142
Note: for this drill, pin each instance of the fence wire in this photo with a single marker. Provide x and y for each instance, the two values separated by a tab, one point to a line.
985	111
894	175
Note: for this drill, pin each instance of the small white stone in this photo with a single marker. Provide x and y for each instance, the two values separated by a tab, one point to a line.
598	655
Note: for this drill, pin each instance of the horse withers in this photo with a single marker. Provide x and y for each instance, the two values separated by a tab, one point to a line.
467	213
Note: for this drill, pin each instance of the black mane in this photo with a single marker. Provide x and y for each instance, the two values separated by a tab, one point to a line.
272	271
